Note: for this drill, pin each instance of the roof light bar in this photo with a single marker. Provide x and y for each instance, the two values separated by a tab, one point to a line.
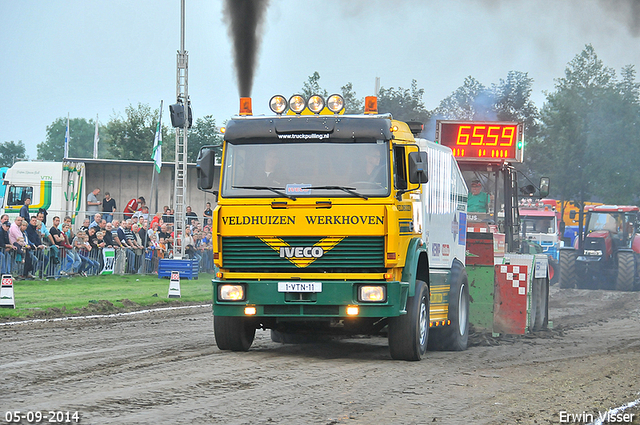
298	104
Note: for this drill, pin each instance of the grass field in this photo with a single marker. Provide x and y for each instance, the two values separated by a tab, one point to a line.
100	294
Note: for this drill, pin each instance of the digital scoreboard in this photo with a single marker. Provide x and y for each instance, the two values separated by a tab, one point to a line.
482	141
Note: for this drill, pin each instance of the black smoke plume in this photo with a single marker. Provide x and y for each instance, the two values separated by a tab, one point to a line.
625	11
244	19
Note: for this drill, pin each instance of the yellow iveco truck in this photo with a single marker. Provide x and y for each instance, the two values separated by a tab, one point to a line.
329	223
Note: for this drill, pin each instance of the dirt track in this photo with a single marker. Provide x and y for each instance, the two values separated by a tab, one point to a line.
163	367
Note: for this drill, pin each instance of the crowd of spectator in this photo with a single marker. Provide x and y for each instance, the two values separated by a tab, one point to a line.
31	248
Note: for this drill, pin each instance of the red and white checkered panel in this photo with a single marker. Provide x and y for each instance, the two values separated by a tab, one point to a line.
517	277
510	299
7	280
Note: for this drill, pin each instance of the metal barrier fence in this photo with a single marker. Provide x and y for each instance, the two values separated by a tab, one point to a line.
55	261
78	218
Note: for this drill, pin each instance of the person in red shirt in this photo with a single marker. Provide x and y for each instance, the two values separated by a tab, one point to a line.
133	206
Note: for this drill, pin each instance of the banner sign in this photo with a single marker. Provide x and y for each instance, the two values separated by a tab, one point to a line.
109	256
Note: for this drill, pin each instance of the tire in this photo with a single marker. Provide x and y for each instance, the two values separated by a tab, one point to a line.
409	333
541	294
568	278
554	271
625	280
454	337
233	333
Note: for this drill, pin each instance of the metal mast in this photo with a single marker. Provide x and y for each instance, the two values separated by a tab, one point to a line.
180	181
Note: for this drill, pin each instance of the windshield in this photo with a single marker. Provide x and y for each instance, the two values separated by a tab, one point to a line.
538	224
612	222
326	169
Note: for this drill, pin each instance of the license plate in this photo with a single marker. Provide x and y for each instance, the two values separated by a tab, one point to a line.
299	286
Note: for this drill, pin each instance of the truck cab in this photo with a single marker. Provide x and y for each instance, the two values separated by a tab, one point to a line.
539	223
315	231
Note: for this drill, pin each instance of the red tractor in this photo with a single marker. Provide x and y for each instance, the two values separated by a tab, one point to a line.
607	255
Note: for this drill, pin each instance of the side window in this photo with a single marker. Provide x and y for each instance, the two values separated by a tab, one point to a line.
400	168
17	195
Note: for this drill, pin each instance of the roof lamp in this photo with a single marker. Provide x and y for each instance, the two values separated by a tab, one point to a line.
297	103
245	106
370	105
278	104
335	103
316	103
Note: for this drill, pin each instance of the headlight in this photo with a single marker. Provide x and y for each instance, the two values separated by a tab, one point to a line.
372	294
278	104
231	292
335	103
316	103
297	103
597	252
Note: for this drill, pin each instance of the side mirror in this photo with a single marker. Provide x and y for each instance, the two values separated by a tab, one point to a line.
572	214
418	170
544	187
206	168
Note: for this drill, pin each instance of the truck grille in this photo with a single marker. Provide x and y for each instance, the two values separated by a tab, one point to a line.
353	254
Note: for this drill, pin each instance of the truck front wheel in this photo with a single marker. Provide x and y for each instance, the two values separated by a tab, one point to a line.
233	333
409	333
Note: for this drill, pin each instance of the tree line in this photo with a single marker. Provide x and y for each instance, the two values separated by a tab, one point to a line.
586	136
128	136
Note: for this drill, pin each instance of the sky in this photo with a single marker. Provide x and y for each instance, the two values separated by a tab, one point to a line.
89	59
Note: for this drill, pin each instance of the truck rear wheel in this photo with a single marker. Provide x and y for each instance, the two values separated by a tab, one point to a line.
233	333
454	337
626	271
568	277
409	333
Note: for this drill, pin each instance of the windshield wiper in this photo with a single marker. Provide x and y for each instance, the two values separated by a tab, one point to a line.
276	190
349	190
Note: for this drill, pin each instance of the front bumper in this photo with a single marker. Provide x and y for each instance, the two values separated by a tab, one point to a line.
331	302
589	265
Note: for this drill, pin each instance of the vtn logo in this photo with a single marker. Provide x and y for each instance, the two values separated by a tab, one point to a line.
301	252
